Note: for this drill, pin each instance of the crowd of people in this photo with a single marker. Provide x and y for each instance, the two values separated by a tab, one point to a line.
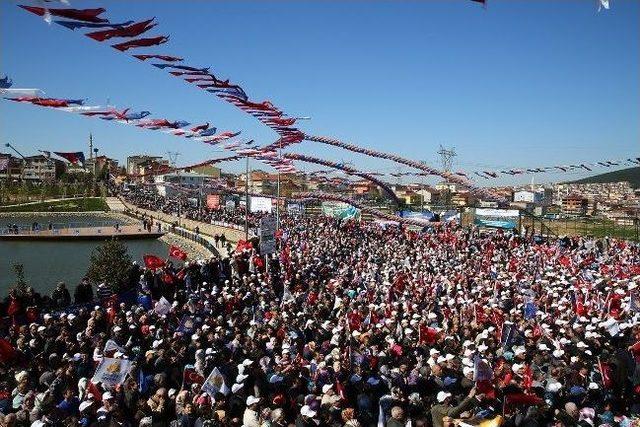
347	324
183	207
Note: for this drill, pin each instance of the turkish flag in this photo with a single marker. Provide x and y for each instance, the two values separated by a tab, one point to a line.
7	352
177	253
191	376
152	262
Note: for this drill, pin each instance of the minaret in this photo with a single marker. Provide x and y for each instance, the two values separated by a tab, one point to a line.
90	146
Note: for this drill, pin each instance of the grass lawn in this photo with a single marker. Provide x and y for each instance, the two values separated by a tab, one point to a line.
89	204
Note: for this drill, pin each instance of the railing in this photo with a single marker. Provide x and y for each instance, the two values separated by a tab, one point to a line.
55	227
194	237
180	231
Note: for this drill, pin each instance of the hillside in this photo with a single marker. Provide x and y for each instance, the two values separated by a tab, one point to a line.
631	174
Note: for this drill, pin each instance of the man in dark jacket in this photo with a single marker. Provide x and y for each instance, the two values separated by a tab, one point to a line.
444	408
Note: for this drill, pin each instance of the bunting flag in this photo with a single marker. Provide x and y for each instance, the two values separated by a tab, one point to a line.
345	169
127	116
132	30
20	93
484	193
75	158
85	15
153	262
131	44
73	25
160	57
574	167
48	102
5	82
264	111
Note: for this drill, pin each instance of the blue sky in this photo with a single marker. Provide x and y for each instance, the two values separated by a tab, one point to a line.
520	84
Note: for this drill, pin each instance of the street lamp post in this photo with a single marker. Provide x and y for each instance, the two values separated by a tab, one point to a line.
246	200
8	145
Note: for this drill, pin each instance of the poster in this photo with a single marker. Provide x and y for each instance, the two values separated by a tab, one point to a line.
215	384
111	372
295	209
267	235
261	204
213	201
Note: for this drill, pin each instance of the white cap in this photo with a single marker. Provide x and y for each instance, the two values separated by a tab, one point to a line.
241	377
326	388
84	405
236	387
442	396
252	399
306	411
107	396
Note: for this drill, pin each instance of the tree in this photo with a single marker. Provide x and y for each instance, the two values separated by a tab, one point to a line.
21	284
110	263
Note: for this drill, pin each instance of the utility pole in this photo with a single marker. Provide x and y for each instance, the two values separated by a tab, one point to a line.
278	190
246	200
446	159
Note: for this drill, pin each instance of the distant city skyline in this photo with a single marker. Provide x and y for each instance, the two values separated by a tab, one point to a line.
396	77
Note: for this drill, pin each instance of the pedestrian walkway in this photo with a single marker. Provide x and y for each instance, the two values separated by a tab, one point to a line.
115	205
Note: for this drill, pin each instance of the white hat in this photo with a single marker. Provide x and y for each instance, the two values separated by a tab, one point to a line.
252	400
236	387
582	345
442	396
306	411
84	405
326	388
434	351
107	396
241	377
543	346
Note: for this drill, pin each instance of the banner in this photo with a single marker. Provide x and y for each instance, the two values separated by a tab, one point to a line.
295	209
213	201
267	235
215	384
497	218
111	372
340	210
426	215
261	204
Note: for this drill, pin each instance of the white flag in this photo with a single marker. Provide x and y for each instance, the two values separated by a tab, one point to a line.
215	383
